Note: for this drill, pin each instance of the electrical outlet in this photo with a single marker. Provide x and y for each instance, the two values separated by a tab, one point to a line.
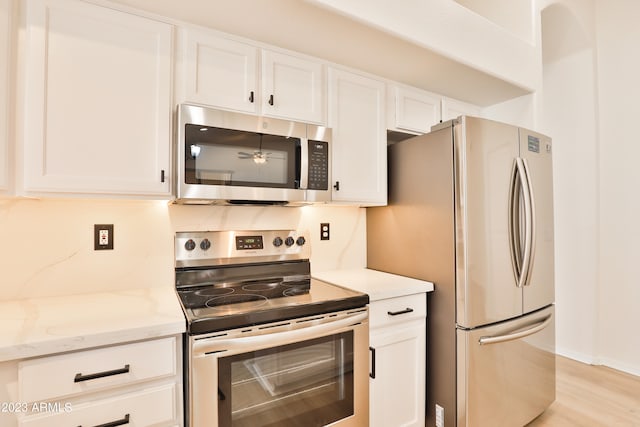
102	236
439	416
324	231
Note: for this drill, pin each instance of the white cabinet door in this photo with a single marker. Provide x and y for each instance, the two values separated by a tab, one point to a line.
98	100
412	110
357	119
5	61
452	108
292	88
219	72
145	407
397	393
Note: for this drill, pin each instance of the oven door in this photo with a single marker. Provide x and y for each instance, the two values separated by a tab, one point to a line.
304	372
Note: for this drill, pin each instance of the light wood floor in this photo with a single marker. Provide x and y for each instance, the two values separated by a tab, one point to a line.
589	395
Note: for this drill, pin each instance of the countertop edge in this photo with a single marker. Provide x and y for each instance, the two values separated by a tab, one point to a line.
377	284
45	326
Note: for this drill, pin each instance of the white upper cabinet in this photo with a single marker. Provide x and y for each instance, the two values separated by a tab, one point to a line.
219	72
410	109
452	108
357	119
98	100
5	61
224	73
292	87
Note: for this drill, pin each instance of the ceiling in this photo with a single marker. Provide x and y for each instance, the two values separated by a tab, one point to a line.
303	27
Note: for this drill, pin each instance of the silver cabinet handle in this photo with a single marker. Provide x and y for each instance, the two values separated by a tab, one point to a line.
517	335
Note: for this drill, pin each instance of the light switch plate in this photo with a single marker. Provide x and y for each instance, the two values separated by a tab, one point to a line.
102	236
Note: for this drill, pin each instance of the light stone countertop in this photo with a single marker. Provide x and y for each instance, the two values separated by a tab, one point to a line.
42	326
377	284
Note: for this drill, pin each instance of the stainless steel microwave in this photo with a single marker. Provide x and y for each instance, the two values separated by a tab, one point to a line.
231	158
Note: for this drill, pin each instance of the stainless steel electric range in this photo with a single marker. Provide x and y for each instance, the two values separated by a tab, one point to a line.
266	344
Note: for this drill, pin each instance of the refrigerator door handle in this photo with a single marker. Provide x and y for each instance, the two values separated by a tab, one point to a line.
537	327
531	223
520	253
514	224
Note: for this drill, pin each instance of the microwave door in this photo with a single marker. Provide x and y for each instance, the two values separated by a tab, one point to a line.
228	157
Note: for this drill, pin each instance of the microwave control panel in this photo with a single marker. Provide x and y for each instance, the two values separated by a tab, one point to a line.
318	165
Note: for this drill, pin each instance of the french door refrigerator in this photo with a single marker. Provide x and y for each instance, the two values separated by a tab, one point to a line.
470	209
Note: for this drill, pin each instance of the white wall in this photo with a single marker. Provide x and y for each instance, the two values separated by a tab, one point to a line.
588	103
618	34
568	114
451	29
514	16
46	246
519	111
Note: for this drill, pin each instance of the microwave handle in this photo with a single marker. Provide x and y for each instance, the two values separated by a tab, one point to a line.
304	163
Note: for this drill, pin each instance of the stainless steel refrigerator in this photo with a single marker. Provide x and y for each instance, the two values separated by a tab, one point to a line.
471	209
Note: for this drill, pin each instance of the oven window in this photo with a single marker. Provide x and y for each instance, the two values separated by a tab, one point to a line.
303	384
216	156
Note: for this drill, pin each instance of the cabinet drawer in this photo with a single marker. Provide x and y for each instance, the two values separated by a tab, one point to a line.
395	310
141	408
85	371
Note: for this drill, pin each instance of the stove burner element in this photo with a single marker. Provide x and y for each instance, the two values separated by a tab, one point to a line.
259	287
210	292
225	300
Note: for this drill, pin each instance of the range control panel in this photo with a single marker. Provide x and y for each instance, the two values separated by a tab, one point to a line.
230	247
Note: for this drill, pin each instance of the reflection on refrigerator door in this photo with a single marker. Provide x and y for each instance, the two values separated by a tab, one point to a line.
509	371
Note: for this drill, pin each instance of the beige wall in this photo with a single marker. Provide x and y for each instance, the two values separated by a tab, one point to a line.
46	245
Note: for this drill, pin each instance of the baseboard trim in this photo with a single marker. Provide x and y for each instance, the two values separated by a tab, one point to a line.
591	360
621	366
580	357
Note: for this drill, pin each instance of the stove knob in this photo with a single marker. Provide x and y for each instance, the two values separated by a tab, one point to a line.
205	244
190	245
277	242
289	241
301	241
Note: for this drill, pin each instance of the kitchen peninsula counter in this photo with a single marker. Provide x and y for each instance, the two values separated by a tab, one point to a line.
42	326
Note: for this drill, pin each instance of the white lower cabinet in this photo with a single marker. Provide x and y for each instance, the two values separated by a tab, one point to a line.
153	406
136	384
398	361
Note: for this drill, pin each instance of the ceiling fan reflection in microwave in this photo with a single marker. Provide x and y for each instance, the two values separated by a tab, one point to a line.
259	157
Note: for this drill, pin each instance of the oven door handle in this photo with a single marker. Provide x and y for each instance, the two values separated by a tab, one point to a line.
200	348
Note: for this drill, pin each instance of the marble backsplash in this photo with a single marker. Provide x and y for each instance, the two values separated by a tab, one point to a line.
46	245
